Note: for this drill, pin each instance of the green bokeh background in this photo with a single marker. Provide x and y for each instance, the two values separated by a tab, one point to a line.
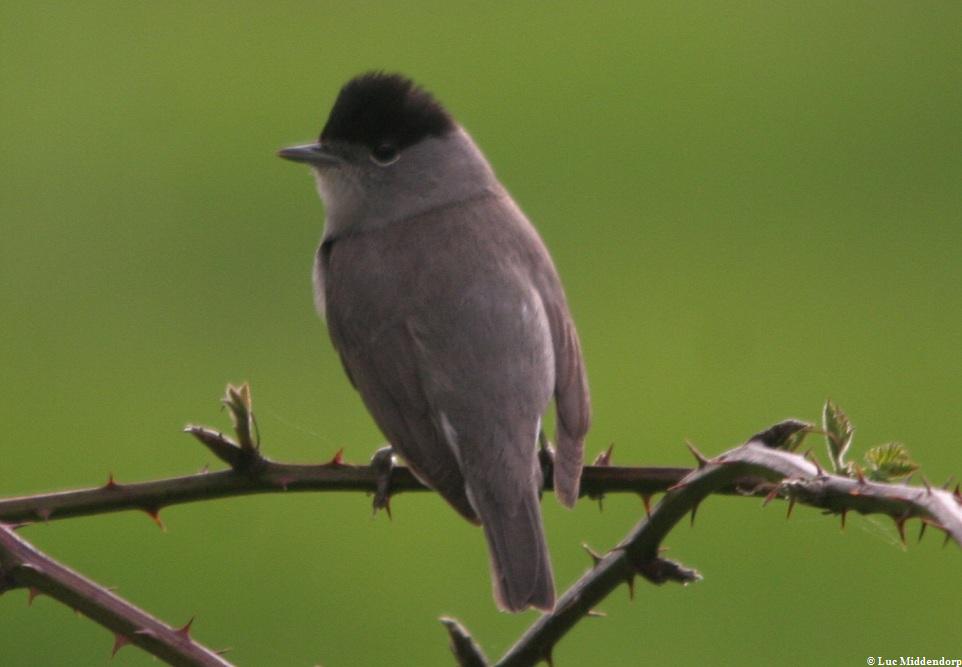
753	206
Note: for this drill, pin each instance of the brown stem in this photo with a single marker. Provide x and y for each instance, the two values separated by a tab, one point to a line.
22	565
794	477
270	477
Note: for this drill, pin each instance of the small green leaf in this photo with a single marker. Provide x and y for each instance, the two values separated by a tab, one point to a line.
838	434
238	402
889	461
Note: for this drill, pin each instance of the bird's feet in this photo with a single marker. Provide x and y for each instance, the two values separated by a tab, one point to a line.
383	464
546	460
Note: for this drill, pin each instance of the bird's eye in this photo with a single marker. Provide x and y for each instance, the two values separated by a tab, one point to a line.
385	154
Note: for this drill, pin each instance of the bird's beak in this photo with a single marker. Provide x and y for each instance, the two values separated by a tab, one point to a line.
313	154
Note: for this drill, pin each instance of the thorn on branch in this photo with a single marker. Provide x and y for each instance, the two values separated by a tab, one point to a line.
595	556
337	459
154	514
604	458
771	495
111	483
646	499
120	640
900	525
184	630
700	458
466	651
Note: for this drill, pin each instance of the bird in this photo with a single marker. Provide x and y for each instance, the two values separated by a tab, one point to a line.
449	317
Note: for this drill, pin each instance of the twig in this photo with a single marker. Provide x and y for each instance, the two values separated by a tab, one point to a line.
795	477
23	566
465	649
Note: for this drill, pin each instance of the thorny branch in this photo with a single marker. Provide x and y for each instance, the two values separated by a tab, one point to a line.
251	473
794	477
22	566
273	477
765	466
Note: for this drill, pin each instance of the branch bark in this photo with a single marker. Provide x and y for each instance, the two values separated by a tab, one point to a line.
273	477
794	477
22	565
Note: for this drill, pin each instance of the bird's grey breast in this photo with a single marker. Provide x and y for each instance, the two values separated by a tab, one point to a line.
456	284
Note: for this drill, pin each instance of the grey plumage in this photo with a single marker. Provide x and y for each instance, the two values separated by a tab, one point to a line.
450	319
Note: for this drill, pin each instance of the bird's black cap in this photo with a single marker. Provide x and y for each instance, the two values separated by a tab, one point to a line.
376	108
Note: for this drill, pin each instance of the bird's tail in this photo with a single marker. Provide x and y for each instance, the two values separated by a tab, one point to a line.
520	565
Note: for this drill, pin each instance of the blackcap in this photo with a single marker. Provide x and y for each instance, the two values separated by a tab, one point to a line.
449	318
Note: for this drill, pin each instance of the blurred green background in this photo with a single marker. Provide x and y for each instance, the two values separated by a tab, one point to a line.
754	206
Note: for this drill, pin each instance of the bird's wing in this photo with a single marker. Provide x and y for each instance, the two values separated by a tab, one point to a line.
389	381
488	380
572	402
383	366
